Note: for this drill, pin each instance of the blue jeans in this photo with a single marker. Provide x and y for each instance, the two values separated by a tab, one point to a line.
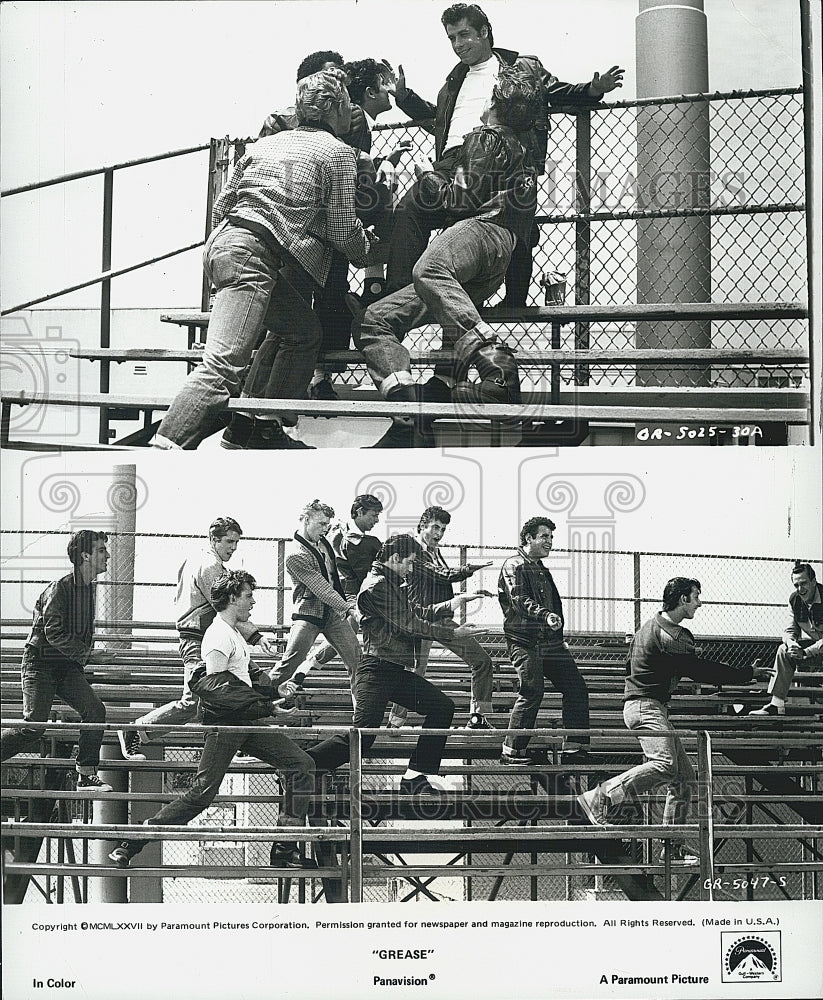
470	652
252	293
185	708
301	638
666	761
270	745
533	665
461	268
42	679
377	683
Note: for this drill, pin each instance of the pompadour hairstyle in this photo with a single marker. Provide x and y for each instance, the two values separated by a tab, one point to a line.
531	526
475	15
317	97
434	514
677	587
366	501
221	526
399	545
83	541
230	585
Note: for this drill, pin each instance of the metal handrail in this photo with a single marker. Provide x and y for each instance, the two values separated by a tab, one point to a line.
94	171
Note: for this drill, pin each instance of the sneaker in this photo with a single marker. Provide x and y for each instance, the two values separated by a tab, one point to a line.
130	744
594	804
522	758
286	855
770	710
236	435
268	434
92	784
323	390
418	785
436	391
478	721
678	854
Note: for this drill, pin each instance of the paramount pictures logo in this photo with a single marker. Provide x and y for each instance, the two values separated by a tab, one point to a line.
751	958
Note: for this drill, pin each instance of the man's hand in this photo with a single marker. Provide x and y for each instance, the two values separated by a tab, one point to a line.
396	84
474	567
268	644
460	600
471	631
610	80
554	621
396	155
288	689
422	165
796	651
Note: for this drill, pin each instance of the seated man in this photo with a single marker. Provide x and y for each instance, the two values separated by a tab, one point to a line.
390	628
489	203
266	215
802	640
235	692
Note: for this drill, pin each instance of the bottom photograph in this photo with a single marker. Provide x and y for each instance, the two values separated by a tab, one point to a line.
312	683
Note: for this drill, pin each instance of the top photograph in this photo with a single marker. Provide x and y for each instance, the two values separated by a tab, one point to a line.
338	224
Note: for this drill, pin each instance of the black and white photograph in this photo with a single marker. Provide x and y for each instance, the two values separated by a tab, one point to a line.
495	691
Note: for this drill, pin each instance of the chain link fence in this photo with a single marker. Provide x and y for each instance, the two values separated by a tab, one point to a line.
697	198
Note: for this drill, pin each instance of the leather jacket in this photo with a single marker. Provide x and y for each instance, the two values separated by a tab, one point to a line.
225	700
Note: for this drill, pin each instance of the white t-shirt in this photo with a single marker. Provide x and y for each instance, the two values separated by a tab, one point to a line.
471	99
222	637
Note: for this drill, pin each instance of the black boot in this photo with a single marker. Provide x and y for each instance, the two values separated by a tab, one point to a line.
268	434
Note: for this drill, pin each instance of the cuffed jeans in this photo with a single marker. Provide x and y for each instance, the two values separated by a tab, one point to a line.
464	265
471	652
413	225
252	293
534	665
666	761
301	638
269	745
377	683
185	708
785	666
43	678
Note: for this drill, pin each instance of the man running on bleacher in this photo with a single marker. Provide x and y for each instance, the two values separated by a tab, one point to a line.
195	612
58	647
661	653
802	640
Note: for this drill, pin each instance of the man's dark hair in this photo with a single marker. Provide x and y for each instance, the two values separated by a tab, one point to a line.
472	13
434	514
362	74
531	526
515	99
366	501
230	585
677	587
399	545
221	526
83	541
802	567
315	61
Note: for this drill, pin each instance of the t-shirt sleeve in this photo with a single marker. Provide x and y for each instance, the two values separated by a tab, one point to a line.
217	640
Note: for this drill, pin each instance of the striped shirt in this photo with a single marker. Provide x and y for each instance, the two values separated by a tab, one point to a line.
299	186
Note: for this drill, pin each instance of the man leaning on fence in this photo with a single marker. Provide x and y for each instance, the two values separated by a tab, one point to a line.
235	692
661	653
291	198
58	647
195	612
802	644
457	112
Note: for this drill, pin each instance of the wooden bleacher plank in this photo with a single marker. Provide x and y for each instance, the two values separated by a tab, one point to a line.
596	313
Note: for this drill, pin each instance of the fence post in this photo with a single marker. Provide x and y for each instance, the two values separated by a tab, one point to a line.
356	813
281	580
705	814
105	298
205	294
582	234
463	588
811	44
638	605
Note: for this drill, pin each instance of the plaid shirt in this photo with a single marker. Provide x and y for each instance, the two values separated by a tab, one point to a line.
299	186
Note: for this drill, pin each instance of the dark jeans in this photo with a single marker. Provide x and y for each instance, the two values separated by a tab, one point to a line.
270	745
331	309
534	665
377	683
42	679
413	225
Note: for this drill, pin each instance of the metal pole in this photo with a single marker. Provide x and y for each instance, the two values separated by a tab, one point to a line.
582	235
105	298
638	604
811	41
705	814
356	813
205	294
